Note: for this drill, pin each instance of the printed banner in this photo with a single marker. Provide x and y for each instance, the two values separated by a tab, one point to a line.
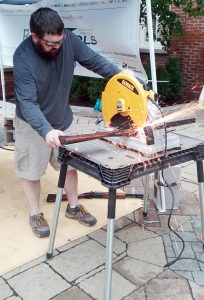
109	27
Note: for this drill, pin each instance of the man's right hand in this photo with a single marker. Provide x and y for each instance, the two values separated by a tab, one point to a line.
52	138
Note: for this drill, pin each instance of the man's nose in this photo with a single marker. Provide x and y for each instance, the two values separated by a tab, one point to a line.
57	46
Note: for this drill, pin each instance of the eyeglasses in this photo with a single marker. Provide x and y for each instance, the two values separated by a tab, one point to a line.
53	44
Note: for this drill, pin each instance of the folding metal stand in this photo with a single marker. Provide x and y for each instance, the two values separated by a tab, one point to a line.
112	173
60	189
201	195
110	229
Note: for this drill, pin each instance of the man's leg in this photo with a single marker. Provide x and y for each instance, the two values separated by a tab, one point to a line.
38	224
74	210
71	187
31	158
32	192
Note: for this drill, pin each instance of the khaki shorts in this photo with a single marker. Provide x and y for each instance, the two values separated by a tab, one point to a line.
32	155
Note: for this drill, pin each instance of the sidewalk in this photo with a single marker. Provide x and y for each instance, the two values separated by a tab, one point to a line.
77	268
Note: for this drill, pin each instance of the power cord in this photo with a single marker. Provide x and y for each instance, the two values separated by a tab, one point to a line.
183	242
169	225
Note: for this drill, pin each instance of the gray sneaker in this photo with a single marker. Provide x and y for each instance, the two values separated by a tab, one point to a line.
81	214
39	225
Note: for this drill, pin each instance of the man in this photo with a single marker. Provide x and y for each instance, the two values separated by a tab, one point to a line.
43	72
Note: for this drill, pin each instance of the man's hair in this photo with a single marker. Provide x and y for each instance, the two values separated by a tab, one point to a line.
46	20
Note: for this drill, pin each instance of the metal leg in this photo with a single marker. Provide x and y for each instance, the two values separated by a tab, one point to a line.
61	181
109	243
201	195
146	194
162	192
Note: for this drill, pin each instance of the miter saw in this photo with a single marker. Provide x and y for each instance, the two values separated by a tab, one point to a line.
132	118
128	103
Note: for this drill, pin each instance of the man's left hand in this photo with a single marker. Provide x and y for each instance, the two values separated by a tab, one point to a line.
52	138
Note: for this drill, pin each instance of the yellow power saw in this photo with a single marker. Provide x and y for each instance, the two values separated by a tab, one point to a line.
132	118
125	102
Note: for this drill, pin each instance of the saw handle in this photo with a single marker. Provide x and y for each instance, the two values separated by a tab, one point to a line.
72	139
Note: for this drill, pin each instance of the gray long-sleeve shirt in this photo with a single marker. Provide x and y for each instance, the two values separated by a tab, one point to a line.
42	86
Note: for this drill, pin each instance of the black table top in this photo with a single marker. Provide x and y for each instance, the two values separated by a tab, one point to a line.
116	167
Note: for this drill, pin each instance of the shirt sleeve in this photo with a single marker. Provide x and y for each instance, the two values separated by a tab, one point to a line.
26	95
91	60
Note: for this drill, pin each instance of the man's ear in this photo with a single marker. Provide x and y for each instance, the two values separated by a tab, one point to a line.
34	37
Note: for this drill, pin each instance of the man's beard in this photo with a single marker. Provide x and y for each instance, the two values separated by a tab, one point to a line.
47	54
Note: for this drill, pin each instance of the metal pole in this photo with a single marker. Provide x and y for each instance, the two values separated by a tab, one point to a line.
154	82
2	80
151	45
154	76
61	182
146	194
201	195
109	244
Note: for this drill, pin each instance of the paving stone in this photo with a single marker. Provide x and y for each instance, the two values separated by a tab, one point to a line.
186	236
163	220
189	210
101	236
167	212
198	277
187	198
5	290
168	289
150	250
197	195
134	233
201	267
200	257
72	244
187	252
40	282
192	178
152	219
186	274
121	223
159	231
190	168
79	260
185	265
175	221
136	271
24	267
196	220
197	291
187	226
151	204
13	298
94	286
167	273
188	186
197	247
136	216
167	240
169	252
139	295
73	294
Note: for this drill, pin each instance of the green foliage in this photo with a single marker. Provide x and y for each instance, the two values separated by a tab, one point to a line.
171	73
194	8
95	88
87	87
79	88
169	22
